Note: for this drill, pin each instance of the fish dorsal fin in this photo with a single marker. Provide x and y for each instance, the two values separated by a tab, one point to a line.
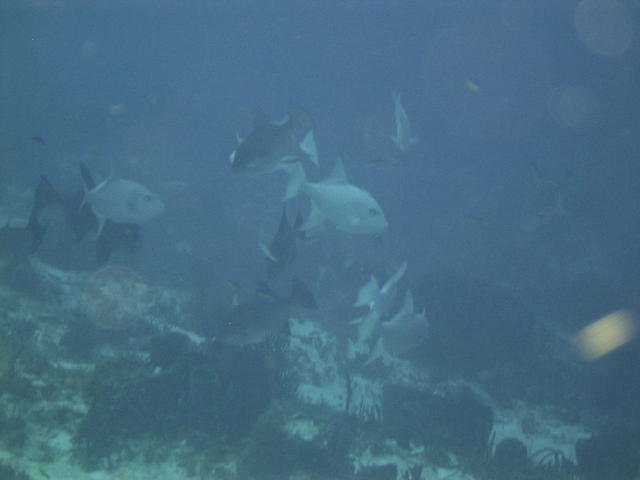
395	278
309	148
259	118
407	307
338	175
283	226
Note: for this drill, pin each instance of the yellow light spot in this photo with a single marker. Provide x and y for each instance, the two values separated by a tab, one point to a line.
606	334
473	86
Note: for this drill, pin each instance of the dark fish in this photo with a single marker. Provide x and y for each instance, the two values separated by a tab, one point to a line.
281	250
263	316
37	139
271	146
17	243
80	218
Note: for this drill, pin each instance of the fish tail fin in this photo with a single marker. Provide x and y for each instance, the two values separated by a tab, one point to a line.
37	231
45	195
87	184
300	117
297	180
301	296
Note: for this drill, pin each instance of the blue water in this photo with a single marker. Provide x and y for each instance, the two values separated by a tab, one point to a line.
522	190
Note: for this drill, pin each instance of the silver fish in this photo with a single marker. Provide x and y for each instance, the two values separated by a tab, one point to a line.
403	138
122	201
350	208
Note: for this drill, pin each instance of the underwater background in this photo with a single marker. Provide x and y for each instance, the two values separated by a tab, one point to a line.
487	333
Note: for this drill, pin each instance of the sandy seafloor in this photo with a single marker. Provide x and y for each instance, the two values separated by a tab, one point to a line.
54	409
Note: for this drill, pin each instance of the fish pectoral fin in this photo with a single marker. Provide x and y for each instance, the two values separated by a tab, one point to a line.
338	174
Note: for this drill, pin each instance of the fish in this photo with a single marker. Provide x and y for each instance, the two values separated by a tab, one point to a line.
379	301
281	250
472	86
116	236
263	316
406	330
82	221
351	209
38	139
403	139
120	200
270	146
18	243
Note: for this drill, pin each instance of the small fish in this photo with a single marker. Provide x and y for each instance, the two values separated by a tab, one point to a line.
270	146
403	138
17	243
379	299
121	201
37	139
350	208
472	86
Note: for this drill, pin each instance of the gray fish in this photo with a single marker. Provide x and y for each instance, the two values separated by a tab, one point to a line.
122	201
281	250
17	243
350	208
263	316
406	330
272	145
403	138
